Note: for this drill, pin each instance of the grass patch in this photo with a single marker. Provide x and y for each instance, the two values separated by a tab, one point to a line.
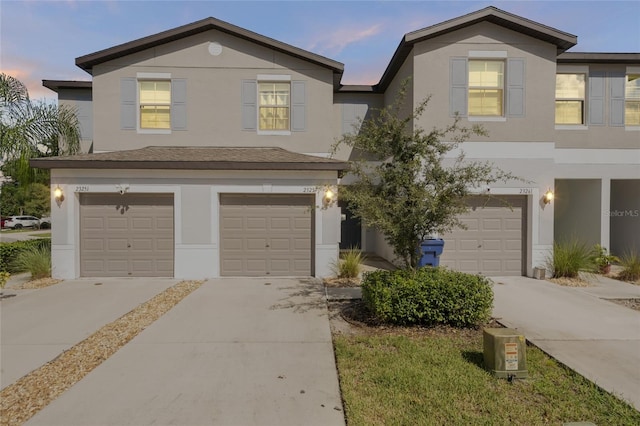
408	378
350	263
630	262
569	258
36	260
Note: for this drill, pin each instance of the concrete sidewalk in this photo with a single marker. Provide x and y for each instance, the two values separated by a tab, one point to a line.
37	325
577	326
234	352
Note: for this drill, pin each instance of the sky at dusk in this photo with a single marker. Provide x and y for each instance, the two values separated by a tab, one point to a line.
41	39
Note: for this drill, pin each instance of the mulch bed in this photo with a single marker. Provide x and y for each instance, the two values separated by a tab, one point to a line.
23	399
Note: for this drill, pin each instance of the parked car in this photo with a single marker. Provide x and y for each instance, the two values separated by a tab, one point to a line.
45	222
19	222
2	219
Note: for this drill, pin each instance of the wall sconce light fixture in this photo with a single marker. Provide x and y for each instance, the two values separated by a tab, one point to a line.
58	195
329	196
548	196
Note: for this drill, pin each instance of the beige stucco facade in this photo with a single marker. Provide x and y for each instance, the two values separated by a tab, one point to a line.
593	168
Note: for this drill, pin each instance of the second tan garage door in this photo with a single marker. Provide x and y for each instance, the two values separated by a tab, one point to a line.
128	235
493	243
266	235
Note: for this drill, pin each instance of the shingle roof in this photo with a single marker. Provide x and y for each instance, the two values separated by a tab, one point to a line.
87	62
561	39
599	58
193	158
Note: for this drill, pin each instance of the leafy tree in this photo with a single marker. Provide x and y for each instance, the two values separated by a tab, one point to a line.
31	199
402	185
30	129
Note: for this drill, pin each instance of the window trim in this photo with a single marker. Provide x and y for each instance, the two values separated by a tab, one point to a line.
271	78
631	71
498	56
151	76
583	122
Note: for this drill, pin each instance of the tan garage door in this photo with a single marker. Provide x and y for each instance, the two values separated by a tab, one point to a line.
493	243
128	235
266	235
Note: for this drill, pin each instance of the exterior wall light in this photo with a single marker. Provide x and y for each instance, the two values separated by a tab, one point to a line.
548	197
329	197
58	195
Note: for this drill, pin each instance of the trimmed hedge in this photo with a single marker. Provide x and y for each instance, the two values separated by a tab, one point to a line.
428	296
9	251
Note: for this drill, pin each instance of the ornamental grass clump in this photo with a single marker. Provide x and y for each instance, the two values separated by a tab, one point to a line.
630	262
428	296
36	260
350	263
569	258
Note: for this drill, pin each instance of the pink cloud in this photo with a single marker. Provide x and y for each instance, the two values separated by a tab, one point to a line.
334	41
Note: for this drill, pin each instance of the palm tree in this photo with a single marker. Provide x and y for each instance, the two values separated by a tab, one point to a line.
31	129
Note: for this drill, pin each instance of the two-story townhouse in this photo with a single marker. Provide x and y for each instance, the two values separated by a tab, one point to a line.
209	158
566	123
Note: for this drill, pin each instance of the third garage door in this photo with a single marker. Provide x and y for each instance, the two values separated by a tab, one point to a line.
266	235
493	243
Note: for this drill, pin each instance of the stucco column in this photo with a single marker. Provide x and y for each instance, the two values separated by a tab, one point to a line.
605	208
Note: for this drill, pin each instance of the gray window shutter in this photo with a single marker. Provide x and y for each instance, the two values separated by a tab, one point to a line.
515	87
178	104
298	107
352	115
128	100
249	108
596	98
616	115
459	87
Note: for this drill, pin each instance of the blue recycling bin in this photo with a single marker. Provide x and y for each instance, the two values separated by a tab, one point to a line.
431	251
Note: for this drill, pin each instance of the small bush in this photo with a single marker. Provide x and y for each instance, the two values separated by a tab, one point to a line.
9	251
36	260
630	262
569	258
428	296
349	264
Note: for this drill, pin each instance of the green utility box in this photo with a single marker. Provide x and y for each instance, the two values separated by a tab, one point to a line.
505	353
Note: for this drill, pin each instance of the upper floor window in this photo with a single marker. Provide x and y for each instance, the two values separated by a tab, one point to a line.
632	100
274	105
570	98
155	104
486	88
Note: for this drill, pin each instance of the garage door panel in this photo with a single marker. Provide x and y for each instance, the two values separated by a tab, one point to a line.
256	223
302	244
232	244
492	244
142	224
275	231
491	224
468	245
280	244
126	235
256	244
280	224
256	266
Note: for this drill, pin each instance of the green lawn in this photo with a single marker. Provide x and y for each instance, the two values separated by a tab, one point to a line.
436	378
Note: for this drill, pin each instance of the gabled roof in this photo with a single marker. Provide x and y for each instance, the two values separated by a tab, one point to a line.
193	158
56	85
87	62
562	40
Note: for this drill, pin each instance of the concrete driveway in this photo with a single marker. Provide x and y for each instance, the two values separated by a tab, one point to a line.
579	327
37	325
234	352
